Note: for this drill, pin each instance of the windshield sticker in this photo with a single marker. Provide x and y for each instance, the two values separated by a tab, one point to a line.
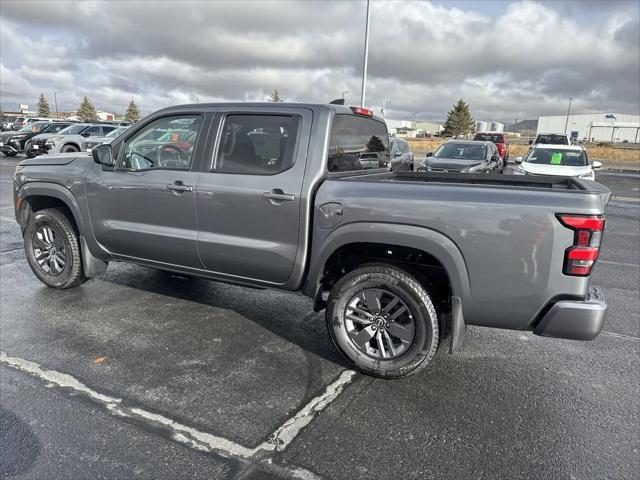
556	158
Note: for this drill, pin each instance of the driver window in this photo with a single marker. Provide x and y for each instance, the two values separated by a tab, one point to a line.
166	143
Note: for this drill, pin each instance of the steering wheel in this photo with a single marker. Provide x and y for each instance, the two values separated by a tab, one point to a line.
174	149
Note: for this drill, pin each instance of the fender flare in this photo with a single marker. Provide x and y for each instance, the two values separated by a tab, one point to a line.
429	241
48	189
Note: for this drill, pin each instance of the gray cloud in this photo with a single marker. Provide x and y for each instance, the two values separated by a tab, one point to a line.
423	57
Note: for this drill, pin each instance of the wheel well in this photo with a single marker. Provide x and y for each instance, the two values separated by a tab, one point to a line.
35	203
428	270
73	144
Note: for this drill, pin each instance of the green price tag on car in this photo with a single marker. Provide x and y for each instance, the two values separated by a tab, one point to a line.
556	159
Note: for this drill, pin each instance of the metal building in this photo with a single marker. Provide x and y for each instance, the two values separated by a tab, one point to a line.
594	127
497	127
481	126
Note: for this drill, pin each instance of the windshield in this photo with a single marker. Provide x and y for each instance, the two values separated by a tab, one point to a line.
34	127
73	130
489	137
552	139
461	151
116	132
550	156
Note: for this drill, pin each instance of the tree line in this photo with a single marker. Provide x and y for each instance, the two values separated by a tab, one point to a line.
87	112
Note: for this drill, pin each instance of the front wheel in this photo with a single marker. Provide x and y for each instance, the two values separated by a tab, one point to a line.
52	249
382	321
69	149
9	154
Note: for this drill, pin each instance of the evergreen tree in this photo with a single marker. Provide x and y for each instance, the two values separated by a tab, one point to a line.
459	120
87	112
375	144
275	97
133	114
43	107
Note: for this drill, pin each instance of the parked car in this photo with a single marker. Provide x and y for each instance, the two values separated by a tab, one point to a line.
464	156
12	143
402	158
370	160
399	260
566	160
71	138
19	123
35	146
549	139
91	142
499	139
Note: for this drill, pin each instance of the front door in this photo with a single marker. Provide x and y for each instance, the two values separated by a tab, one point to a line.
145	208
248	200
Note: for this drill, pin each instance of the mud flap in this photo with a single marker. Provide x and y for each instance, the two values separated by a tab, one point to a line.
458	327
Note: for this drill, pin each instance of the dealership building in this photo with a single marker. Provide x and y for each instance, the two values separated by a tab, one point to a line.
594	127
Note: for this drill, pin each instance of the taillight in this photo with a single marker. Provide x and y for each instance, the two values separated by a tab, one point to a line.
582	255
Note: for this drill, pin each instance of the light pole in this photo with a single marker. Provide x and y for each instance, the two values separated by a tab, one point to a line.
366	54
566	124
344	93
55	99
192	97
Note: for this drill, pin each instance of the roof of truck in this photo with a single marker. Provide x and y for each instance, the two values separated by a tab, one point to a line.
343	109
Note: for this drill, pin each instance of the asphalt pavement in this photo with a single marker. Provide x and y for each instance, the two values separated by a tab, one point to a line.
144	374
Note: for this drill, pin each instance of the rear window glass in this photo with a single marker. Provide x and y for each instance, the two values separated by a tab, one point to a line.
552	139
357	143
489	137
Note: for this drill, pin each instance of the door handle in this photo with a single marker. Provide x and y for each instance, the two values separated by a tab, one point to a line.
179	187
277	196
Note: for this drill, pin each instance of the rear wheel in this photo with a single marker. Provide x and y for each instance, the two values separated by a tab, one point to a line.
382	321
9	154
52	249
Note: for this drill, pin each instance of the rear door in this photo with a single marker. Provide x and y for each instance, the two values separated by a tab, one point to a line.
248	199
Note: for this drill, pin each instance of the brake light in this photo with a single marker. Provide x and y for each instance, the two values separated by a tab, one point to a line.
582	255
362	111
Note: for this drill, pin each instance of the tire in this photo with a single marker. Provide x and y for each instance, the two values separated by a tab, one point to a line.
9	154
52	227
417	323
69	149
411	167
30	153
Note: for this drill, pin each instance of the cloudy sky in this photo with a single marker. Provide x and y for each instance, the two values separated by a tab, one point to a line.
508	60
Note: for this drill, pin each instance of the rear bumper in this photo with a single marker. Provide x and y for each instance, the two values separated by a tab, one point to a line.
575	320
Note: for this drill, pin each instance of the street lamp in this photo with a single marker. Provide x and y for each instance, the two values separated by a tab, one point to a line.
192	97
344	93
366	54
55	98
566	124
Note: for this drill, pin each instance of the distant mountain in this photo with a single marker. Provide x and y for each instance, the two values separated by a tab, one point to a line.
524	126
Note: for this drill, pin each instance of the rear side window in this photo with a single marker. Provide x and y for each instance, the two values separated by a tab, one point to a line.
355	138
257	144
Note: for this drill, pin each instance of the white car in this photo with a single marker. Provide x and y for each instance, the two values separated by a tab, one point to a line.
562	160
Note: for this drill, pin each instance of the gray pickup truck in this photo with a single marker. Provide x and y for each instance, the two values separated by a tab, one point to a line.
275	196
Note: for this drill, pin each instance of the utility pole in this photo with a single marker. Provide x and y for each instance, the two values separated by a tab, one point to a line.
344	93
366	54
566	124
55	99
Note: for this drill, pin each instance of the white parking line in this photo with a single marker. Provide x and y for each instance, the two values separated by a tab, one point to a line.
620	335
620	264
189	436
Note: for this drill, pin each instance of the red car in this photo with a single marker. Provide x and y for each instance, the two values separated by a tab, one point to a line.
499	139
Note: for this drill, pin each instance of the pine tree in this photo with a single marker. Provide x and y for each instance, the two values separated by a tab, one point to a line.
459	120
133	114
275	97
43	107
87	112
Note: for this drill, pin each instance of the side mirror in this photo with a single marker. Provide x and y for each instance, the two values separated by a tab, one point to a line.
530	142
495	158
397	154
518	160
596	164
103	155
430	154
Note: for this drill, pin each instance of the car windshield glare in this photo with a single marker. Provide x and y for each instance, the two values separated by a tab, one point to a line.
549	156
116	132
461	151
72	130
